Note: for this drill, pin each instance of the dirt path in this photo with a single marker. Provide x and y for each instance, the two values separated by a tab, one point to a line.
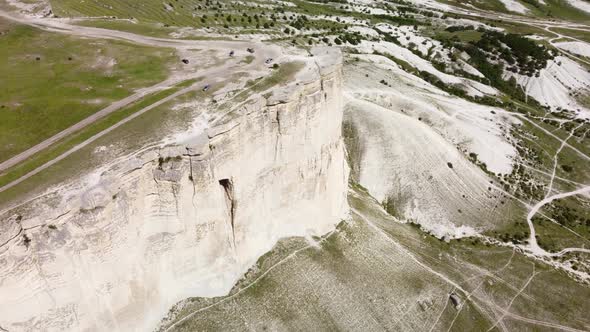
472	297
556	158
254	282
533	245
564	51
222	71
95	137
84	123
64	25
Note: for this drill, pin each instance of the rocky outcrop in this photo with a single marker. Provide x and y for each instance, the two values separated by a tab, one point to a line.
179	221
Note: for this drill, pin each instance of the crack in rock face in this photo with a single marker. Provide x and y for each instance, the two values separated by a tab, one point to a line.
228	189
144	233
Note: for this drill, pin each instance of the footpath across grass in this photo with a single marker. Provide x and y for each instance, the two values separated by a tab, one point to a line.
50	81
67	143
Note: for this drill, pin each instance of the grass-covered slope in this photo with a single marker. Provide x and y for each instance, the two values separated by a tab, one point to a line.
50	81
373	273
552	9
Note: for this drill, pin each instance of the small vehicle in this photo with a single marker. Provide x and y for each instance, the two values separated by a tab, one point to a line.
231	53
250	50
206	87
267	61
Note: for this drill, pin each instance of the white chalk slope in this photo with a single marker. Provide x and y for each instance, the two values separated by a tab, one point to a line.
148	233
473	88
556	82
409	134
580	4
515	6
576	47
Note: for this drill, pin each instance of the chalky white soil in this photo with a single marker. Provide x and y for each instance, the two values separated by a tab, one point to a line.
409	133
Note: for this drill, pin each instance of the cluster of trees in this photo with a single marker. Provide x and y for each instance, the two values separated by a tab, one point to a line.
328	1
516	237
300	22
450	88
456	28
404	19
496	51
244	20
517	234
533	3
522	54
568	216
353	38
493	73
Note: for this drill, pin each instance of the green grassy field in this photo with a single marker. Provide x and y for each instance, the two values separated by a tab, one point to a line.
179	13
51	81
579	34
149	128
146	129
232	18
69	142
142	28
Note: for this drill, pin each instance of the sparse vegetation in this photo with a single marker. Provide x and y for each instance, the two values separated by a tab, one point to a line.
72	79
67	143
323	282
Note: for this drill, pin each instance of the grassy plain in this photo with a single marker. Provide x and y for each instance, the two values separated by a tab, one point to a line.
51	81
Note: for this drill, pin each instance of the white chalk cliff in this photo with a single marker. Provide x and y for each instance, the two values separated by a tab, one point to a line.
180	221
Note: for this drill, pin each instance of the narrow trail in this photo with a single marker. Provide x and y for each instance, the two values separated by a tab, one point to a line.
539	322
221	71
85	122
95	137
523	117
560	36
533	245
505	311
549	175
245	288
568	250
556	157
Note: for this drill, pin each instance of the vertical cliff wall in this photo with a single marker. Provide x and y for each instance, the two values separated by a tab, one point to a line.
180	221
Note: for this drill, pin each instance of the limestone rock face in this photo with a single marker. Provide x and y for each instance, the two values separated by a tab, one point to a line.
180	221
